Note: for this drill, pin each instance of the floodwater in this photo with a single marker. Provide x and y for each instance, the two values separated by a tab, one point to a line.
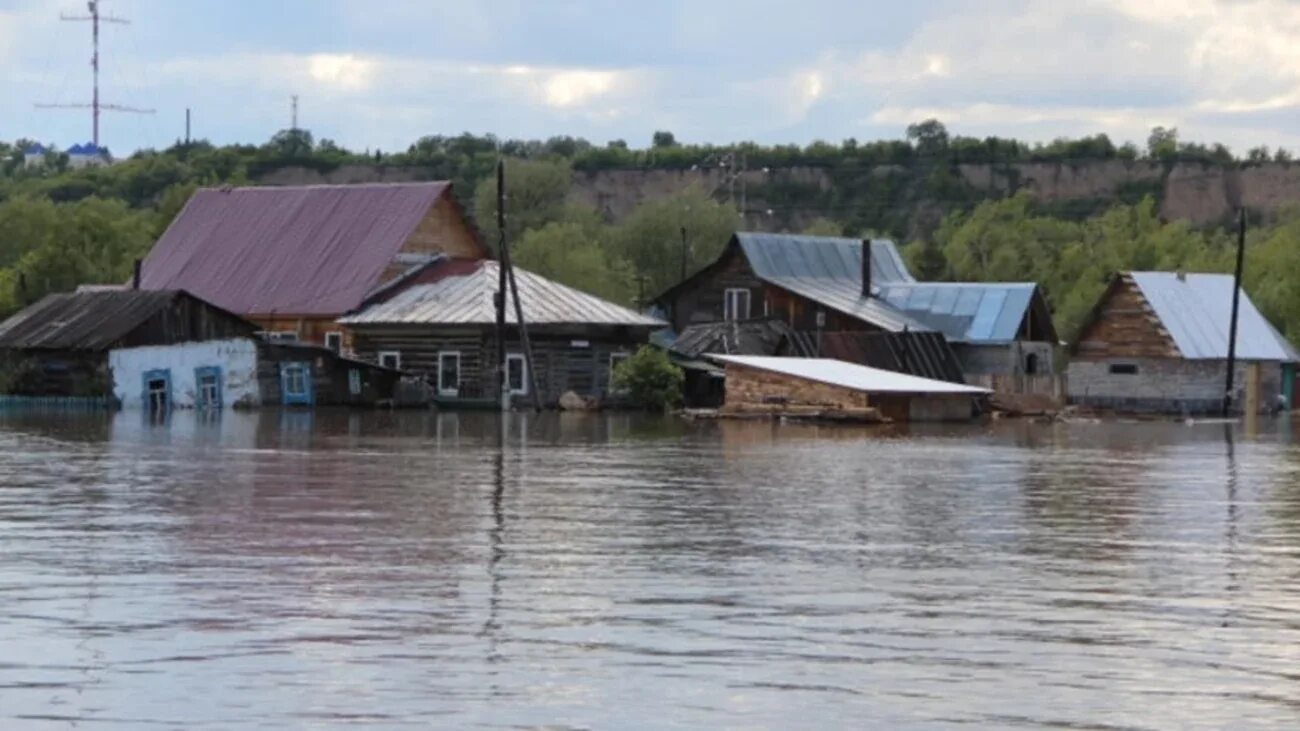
296	570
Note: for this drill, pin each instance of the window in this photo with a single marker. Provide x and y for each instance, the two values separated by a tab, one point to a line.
1124	369
391	359
279	336
334	341
1031	364
614	360
158	390
354	382
516	374
207	387
449	373
736	304
295	381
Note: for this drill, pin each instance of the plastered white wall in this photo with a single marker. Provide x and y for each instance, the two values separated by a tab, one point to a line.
237	359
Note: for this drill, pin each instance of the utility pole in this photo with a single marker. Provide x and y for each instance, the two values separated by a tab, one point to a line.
293	112
95	106
1236	305
503	394
187	126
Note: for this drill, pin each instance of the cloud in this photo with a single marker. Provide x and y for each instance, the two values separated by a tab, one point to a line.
345	72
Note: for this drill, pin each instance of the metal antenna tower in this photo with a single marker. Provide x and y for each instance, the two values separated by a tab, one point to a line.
293	112
95	106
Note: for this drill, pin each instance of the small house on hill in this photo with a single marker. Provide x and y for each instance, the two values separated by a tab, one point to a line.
167	349
1158	342
293	259
760	384
440	322
830	284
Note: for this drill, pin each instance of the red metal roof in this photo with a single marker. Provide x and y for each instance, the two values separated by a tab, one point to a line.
308	250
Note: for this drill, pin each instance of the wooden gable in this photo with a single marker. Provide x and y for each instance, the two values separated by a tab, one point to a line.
1124	325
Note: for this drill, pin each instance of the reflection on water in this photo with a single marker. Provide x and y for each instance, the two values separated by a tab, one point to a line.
299	569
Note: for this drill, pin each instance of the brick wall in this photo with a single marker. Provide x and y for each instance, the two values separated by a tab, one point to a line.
747	385
1165	385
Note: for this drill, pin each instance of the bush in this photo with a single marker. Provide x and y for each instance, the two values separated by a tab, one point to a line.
650	380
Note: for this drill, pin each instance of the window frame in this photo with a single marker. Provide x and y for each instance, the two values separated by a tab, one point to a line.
731	300
201	400
523	374
1123	369
442	355
337	349
396	355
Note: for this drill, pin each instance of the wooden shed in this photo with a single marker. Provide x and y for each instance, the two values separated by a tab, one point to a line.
758	382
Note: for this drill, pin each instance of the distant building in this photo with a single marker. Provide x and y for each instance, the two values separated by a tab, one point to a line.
826	284
34	155
1158	342
293	259
87	155
167	349
440	322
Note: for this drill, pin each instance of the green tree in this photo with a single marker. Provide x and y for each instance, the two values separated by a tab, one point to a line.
1162	143
821	226
572	253
537	193
663	138
650	237
650	379
930	137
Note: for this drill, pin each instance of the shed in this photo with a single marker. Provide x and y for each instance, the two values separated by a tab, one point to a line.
440	323
1158	342
758	381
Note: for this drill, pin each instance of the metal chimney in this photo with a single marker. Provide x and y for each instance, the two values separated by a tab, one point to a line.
135	278
866	267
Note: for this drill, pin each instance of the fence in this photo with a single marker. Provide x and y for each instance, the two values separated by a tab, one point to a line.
56	403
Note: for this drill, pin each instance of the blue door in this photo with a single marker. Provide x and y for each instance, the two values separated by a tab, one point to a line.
295	384
157	393
207	387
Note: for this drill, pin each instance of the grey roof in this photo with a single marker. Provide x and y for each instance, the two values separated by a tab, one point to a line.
463	296
745	337
821	257
1196	309
850	375
964	312
845	296
88	320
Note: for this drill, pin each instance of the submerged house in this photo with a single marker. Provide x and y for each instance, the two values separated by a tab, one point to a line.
829	284
758	383
1158	342
440	320
167	349
293	259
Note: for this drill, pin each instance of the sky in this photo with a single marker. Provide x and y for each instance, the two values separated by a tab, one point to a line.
379	74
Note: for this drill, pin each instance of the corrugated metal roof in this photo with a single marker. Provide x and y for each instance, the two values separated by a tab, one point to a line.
83	320
964	312
924	354
846	296
464	297
821	257
308	250
850	375
1196	309
746	337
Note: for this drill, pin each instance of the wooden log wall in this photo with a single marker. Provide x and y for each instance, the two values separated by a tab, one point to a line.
1126	326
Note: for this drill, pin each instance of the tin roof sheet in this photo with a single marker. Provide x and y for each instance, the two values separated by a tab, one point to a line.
305	250
850	375
464	296
1196	309
821	257
964	312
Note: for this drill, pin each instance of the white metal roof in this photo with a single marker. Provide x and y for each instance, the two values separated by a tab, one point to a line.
465	298
850	375
1196	309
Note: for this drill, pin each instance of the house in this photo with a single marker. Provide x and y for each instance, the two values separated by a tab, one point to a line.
827	284
1158	342
294	259
761	382
88	155
440	322
34	155
167	349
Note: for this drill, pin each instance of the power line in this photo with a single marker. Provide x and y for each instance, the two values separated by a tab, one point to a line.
95	106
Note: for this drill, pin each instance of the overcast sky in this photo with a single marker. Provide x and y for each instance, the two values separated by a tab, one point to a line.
381	73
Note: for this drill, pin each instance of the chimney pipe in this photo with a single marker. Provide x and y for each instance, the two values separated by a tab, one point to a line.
135	279
866	267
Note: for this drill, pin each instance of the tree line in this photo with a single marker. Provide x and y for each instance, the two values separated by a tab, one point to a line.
61	227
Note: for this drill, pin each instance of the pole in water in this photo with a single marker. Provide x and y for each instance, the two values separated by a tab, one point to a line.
503	392
1236	306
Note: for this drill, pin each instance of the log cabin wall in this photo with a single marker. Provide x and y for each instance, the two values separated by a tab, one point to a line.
1125	326
746	385
703	297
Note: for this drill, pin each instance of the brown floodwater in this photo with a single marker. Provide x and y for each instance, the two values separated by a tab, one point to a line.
297	570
